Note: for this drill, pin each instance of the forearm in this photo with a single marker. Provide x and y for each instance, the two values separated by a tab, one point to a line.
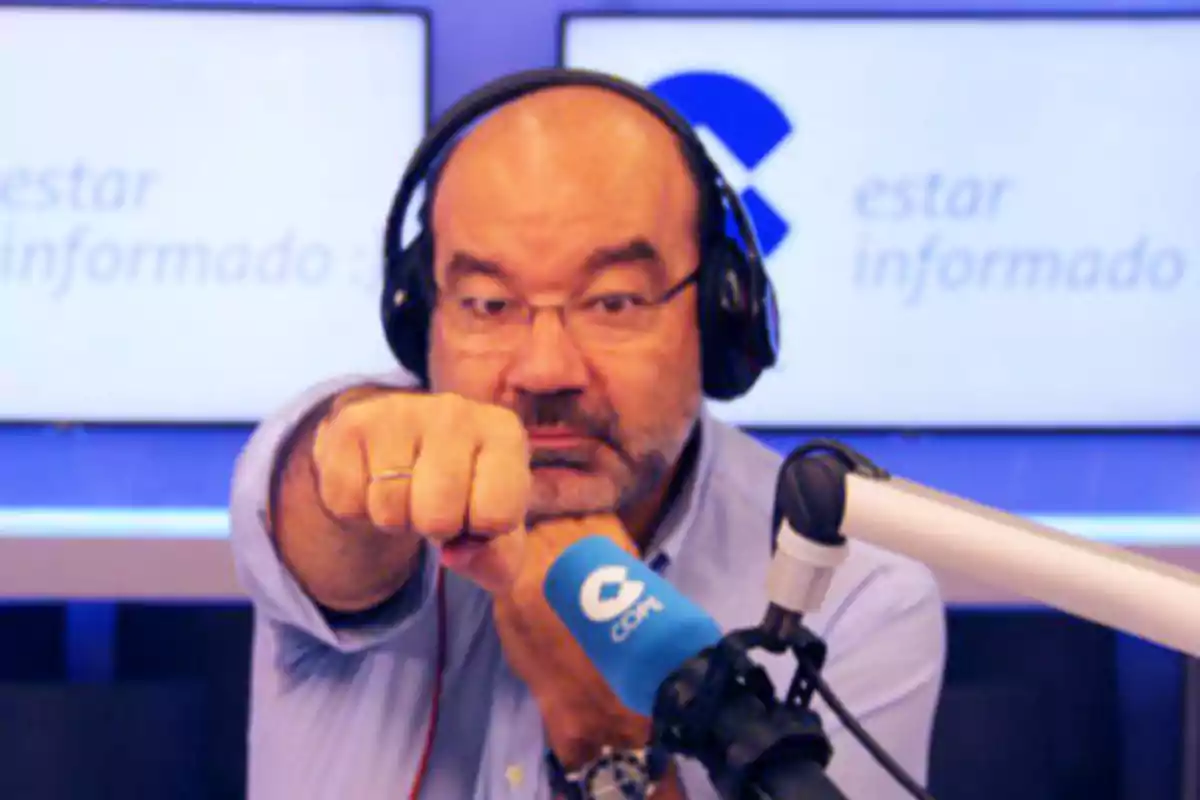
345	567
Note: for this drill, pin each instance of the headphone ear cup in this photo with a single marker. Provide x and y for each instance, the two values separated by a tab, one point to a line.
733	330
405	308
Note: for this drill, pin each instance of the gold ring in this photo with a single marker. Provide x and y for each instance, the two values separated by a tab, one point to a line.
392	475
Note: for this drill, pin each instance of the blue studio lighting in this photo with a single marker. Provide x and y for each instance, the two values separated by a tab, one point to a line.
1152	530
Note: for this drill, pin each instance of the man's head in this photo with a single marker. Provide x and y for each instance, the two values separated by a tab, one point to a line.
573	198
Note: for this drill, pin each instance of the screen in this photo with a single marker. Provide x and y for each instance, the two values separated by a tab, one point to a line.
192	202
968	222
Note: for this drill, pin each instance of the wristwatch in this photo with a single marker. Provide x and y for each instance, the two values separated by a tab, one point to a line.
613	775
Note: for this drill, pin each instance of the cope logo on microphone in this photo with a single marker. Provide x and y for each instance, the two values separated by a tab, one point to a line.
609	595
747	126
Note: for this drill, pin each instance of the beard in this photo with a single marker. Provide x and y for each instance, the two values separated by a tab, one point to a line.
601	474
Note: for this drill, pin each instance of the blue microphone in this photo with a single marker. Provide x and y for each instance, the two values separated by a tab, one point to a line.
635	627
665	658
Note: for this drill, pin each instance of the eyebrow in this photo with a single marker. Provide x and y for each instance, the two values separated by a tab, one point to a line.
463	265
635	251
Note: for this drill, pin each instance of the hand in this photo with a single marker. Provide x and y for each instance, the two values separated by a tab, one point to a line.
450	470
580	712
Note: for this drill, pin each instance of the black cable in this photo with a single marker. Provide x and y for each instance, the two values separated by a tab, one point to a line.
852	725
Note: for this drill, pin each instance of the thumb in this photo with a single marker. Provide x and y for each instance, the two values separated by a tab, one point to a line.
495	568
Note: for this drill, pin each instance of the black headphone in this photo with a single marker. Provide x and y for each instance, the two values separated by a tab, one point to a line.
737	313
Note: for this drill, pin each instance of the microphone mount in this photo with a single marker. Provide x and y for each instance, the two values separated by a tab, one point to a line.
721	709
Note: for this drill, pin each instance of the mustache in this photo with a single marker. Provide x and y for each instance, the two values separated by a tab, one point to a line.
566	409
563	409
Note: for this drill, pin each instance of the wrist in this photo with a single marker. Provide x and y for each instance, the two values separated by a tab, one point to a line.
578	739
639	773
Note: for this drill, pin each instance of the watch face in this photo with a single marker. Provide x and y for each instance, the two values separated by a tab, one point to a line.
621	776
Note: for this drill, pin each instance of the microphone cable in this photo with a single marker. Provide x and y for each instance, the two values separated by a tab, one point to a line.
890	765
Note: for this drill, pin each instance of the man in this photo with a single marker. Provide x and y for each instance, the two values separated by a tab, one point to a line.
374	669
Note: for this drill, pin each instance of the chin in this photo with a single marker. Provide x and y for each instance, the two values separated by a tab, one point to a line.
566	492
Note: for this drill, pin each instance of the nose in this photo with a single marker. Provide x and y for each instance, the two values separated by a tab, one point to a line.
549	360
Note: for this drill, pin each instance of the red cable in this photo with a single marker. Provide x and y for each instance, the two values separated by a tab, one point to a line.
431	733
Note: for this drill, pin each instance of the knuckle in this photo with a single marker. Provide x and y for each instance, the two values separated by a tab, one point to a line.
437	519
448	412
487	517
351	417
330	450
498	502
502	426
365	415
341	501
330	477
334	497
390	450
388	508
438	501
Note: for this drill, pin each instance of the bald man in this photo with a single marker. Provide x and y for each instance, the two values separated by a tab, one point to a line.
564	399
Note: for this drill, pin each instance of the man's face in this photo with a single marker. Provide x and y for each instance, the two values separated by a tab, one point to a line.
552	247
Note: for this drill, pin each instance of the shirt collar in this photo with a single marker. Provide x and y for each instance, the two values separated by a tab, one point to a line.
679	520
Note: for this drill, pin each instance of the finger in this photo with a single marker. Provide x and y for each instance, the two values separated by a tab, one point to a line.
340	471
392	448
500	490
442	475
496	567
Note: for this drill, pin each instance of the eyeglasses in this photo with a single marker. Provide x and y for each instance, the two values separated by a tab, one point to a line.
495	322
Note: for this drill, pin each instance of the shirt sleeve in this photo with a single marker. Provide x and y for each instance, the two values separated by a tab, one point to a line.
886	665
274	592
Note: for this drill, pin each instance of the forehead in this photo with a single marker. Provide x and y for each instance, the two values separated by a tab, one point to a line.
538	188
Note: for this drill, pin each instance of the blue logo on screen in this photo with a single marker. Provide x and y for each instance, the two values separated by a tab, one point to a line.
747	122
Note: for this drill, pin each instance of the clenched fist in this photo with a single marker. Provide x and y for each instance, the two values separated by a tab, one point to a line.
450	470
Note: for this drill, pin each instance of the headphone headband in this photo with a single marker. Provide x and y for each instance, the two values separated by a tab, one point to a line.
503	90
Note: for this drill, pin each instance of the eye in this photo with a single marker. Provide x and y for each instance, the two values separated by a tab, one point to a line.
614	304
486	307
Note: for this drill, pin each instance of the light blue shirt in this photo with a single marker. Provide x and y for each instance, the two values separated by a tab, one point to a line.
342	713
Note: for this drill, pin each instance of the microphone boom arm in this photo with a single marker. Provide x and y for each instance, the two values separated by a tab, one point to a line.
836	492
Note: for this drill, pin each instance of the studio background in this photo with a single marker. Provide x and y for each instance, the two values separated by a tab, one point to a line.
148	699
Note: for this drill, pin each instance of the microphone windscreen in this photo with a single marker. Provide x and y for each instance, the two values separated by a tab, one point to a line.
634	626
